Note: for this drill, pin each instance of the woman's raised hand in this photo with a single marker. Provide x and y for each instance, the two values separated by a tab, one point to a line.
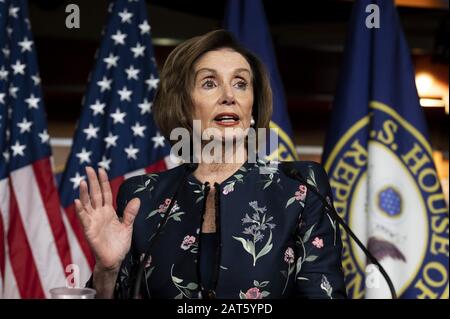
108	236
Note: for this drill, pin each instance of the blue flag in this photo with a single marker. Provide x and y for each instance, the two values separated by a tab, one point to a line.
380	164
247	21
116	130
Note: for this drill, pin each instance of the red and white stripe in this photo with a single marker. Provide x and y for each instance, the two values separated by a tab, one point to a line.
38	238
34	245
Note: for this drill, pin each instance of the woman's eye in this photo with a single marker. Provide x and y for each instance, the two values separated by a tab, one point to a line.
208	84
241	85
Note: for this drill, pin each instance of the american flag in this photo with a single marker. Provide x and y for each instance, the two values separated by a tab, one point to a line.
34	246
116	130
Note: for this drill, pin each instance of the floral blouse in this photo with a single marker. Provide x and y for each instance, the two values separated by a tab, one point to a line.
276	239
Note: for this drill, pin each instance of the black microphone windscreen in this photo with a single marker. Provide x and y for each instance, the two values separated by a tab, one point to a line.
288	168
190	167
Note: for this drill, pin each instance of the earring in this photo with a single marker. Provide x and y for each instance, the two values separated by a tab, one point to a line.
252	121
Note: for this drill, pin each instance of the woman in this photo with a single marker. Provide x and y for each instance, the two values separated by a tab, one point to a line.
236	229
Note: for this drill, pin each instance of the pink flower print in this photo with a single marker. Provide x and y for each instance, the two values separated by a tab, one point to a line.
253	293
188	241
149	260
163	207
301	193
289	255
318	242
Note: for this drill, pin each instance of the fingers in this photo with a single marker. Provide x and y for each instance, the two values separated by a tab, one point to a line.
84	197
105	187
81	212
94	188
130	211
78	207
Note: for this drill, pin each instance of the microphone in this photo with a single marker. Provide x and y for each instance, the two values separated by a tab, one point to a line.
189	167
289	169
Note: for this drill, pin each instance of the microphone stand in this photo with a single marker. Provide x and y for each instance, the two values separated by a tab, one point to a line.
140	273
293	173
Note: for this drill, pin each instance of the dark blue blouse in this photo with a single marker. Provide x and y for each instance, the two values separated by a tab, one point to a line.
275	239
208	250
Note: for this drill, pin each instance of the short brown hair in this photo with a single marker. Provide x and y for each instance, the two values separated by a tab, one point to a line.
172	106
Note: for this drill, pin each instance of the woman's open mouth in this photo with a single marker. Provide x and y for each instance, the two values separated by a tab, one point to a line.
227	119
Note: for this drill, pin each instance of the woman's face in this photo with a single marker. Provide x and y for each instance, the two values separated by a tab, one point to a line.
223	91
